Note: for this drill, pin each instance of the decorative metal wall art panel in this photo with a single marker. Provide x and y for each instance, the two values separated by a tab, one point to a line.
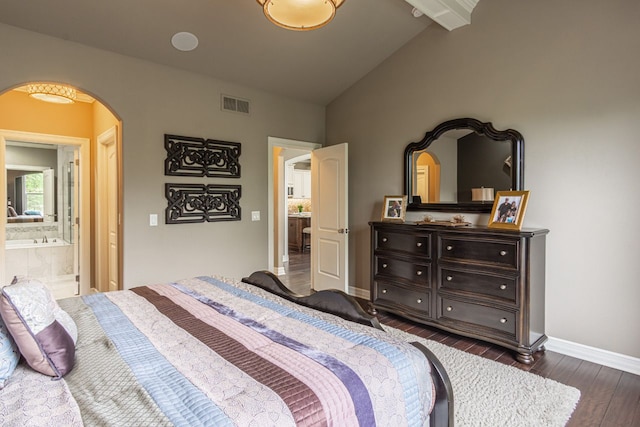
187	203
187	156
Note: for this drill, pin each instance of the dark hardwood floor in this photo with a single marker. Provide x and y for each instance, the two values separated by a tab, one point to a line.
298	272
609	397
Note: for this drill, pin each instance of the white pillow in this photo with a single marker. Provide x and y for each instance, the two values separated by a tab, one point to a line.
45	334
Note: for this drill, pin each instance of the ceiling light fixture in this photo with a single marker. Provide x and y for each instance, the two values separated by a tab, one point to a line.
300	15
49	92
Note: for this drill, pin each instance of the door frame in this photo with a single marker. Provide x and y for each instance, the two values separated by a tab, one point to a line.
272	143
84	203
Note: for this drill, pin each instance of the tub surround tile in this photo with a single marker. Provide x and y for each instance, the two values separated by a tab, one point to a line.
46	263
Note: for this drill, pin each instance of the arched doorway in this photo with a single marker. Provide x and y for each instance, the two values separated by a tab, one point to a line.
82	206
427	178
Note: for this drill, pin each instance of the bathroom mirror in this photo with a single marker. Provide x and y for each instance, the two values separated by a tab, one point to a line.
40	186
460	164
31	182
30	191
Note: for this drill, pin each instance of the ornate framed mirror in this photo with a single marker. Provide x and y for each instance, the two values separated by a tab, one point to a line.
461	164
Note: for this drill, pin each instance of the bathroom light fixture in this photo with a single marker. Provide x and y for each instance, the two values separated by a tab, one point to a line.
49	92
300	15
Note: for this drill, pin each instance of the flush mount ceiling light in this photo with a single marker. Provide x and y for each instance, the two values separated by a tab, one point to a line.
300	15
48	92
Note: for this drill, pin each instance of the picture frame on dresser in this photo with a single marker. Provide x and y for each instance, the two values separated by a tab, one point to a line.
393	208
508	210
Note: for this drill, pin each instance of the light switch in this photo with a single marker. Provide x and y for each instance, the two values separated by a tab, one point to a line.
255	215
153	220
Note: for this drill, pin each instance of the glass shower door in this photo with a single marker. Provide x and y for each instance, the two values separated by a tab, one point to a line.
69	206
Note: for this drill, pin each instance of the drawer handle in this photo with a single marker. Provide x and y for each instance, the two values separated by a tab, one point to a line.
449	278
503	253
384	291
503	320
384	239
503	287
449	308
449	248
419	272
419	244
419	300
384	265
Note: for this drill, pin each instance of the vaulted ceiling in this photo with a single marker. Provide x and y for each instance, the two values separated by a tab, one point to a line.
236	42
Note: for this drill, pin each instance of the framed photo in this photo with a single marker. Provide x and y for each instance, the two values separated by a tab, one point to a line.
393	208
508	210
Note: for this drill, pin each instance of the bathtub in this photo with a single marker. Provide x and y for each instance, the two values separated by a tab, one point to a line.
34	243
52	262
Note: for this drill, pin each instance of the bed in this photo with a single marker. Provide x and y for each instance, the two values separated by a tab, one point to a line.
29	216
213	352
20	219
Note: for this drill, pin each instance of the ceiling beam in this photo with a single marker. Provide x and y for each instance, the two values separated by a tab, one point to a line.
451	14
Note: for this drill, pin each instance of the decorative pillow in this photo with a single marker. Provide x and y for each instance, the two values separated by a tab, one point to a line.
45	334
9	355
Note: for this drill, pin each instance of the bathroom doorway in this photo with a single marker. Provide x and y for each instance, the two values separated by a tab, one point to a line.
44	209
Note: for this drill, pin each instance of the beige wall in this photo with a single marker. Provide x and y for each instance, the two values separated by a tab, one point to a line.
152	100
565	74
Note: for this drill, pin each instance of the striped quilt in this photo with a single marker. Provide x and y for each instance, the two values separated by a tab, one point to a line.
213	352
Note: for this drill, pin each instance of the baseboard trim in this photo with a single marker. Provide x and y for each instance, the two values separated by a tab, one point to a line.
279	271
359	292
595	355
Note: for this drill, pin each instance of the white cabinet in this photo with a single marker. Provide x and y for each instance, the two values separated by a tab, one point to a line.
289	175
301	184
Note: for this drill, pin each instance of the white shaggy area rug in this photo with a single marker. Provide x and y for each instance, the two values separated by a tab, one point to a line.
490	394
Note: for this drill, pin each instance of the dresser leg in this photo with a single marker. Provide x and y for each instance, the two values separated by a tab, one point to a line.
525	358
372	310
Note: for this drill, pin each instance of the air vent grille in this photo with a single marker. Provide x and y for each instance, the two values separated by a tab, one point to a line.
235	105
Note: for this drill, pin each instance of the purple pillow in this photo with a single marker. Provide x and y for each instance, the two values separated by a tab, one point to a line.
44	333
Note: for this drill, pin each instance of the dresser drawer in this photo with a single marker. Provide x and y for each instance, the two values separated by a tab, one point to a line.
491	285
391	294
416	244
499	253
490	317
417	273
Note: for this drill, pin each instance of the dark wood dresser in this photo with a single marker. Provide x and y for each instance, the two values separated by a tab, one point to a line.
474	281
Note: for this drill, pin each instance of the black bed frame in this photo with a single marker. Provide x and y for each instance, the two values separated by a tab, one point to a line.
345	306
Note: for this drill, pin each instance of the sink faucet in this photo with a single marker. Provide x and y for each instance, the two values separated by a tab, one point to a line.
44	240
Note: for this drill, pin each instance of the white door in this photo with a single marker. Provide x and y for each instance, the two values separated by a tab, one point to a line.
112	203
329	225
108	223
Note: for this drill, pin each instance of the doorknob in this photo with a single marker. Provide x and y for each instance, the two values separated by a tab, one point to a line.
343	230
